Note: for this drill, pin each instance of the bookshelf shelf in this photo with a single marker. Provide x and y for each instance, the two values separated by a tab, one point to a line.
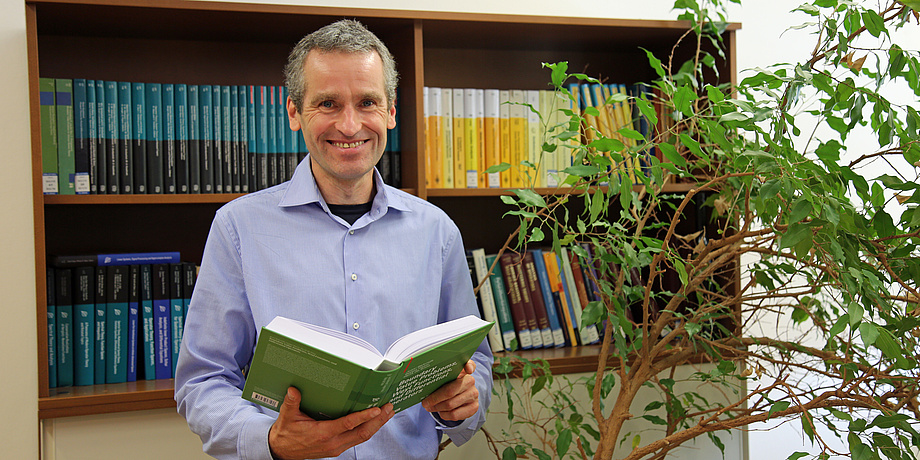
226	43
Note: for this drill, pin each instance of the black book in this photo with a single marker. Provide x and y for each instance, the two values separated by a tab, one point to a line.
218	131
182	122
245	157
206	130
169	131
155	138
125	142
194	141
112	160
226	140
98	158
139	136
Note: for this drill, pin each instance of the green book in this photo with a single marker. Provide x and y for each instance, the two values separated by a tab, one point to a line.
63	100
49	136
338	374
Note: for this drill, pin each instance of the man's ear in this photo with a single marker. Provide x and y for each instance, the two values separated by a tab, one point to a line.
391	122
293	119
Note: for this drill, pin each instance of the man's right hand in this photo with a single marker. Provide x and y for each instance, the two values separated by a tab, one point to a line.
294	435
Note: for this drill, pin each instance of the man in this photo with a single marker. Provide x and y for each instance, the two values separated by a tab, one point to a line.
336	247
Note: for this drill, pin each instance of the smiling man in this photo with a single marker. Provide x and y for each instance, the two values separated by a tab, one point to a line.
334	246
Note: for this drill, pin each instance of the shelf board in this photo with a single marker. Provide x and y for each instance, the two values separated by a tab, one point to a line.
142	199
480	192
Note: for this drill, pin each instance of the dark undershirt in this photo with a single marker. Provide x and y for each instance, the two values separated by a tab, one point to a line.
350	212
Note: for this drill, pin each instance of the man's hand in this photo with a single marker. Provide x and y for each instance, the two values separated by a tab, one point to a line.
456	400
294	435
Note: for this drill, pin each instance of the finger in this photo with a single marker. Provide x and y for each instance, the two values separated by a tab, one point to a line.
468	369
361	426
456	389
290	407
462	412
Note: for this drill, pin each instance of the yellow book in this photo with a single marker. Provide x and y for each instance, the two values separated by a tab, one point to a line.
555	281
447	137
435	143
627	118
548	109
459	141
429	182
518	129
504	126
535	139
481	137
492	135
470	138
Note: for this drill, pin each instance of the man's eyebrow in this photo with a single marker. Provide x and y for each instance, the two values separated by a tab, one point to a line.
320	97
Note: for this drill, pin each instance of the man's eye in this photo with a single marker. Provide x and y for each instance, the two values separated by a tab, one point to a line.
326	104
368	103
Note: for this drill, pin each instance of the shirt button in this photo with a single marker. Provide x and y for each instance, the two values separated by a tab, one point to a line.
355	326
354	277
351	232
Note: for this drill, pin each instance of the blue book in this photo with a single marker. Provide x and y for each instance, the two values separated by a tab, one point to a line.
63	99
576	319
116	327
194	141
236	157
272	134
102	143
263	175
128	258
169	136
153	94
226	140
161	322
217	131
92	136
246	161
112	160
82	140
52	328
176	312
139	136
63	297
100	349
182	166
146	343
84	325
281	125
206	129
125	143
133	319
548	302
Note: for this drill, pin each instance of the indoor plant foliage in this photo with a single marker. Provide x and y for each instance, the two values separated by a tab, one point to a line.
797	230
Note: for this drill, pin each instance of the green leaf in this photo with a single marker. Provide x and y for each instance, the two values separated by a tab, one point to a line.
538	385
797	456
530	198
794	234
536	235
607	145
655	63
582	170
856	312
671	154
778	406
541	455
800	210
691	144
869	333
509	454
888	344
498	168
563	442
693	328
646	108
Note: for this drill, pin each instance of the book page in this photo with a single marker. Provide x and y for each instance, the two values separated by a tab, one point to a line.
338	343
423	339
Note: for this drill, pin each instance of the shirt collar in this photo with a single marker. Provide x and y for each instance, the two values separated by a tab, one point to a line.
302	190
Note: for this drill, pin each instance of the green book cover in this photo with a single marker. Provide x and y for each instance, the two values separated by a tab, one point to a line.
49	136
63	99
338	374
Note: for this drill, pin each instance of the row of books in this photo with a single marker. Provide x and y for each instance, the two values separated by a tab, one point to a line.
117	320
110	137
535	298
469	130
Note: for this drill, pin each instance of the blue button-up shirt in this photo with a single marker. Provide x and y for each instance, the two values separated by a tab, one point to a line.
279	251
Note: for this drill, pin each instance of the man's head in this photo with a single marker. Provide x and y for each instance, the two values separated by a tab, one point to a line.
345	36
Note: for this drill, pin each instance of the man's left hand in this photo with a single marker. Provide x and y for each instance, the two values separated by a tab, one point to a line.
456	400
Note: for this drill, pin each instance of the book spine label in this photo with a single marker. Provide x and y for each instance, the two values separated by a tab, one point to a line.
116	317
176	313
147	353
125	144
139	136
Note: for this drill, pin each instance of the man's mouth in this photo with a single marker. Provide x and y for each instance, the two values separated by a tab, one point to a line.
347	145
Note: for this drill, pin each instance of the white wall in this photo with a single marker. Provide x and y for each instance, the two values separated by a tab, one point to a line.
109	436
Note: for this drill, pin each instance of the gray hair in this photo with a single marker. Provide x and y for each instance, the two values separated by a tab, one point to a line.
348	36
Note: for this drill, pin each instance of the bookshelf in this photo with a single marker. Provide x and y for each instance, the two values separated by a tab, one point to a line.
201	42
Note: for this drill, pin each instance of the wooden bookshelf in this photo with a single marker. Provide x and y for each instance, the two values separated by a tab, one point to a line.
202	42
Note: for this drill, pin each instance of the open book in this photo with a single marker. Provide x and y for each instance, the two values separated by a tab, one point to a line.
338	373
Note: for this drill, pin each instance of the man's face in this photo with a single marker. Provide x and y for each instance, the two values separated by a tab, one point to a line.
344	117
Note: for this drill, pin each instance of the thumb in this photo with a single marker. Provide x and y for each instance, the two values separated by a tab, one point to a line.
290	408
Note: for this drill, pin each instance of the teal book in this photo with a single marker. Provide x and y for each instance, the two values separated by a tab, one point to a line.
236	158
51	319
189	276
139	136
92	135
270	113
161	322
217	131
169	135
338	374
125	143
226	140
153	95
182	166
112	160
252	92
206	130
63	100
102	144
245	157
63	297
194	141
133	321
147	352
116	318
176	313
502	308
49	137
81	179
84	325
100	346
281	126
261	109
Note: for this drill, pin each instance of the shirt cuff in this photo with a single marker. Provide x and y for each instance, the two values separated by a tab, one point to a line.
459	431
253	441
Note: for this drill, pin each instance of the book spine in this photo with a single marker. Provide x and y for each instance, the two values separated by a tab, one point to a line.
125	152
137	258
536	299
161	321
535	138
515	300
49	137
182	122
252	134
502	308
226	124
447	136
169	135
81	179
51	319
590	330
155	138
488	299
218	142
100	342
112	161
272	135
280	137
492	137
207	138
176	313
102	142
92	136
518	137
194	140
546	292
459	137
237	171
189	276
64	303
116	319
133	321
536	332
146	343
84	326
63	99
139	136
245	157
262	173
551	260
